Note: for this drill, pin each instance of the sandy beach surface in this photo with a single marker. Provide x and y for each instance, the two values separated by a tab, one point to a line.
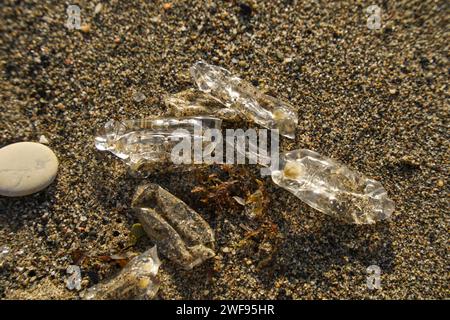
375	99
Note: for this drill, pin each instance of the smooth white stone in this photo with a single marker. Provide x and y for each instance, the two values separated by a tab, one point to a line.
26	168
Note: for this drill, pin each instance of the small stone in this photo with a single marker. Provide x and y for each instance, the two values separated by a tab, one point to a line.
440	183
156	19
226	250
85	28
280	55
98	8
138	96
68	62
43	139
242	63
167	6
4	251
26	168
117	40
392	91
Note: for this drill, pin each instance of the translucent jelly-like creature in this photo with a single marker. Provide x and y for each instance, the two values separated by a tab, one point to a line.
151	140
193	102
180	233
240	95
137	281
73	282
332	188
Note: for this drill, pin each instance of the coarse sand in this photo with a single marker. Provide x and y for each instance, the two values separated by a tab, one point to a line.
375	99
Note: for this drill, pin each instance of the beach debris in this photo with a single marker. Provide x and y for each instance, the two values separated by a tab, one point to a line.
26	168
235	93
218	193
74	280
180	233
332	188
225	188
192	102
144	141
221	195
256	203
137	280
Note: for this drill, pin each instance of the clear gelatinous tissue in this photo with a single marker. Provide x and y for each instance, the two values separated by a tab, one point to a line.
136	281
235	93
73	281
192	102
332	188
151	140
180	233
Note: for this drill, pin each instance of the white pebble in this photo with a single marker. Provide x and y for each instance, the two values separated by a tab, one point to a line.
4	251
98	8
43	139
26	168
